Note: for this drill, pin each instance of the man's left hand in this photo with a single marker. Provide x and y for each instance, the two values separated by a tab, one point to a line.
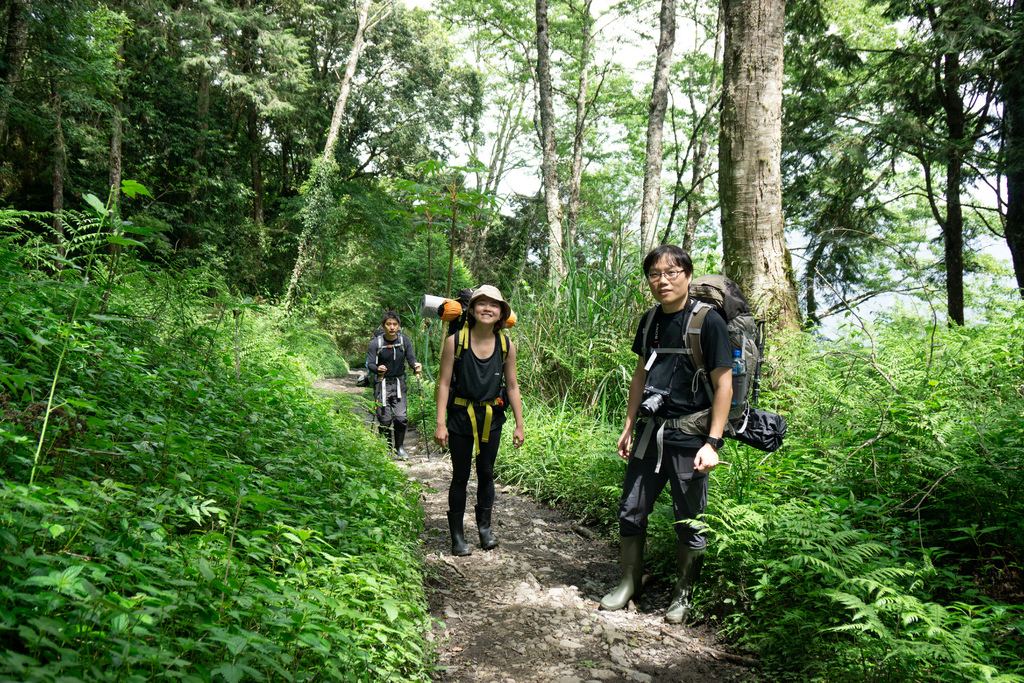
707	458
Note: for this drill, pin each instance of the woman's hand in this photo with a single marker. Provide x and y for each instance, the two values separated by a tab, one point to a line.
518	436
441	436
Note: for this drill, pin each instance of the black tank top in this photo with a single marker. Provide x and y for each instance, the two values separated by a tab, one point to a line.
480	380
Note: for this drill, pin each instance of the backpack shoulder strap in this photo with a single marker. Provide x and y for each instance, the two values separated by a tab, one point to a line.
692	337
651	312
462	340
503	338
379	338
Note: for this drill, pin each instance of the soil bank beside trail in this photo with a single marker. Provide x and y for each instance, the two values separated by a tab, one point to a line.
527	610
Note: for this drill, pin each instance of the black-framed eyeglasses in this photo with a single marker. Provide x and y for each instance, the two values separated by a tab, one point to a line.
670	275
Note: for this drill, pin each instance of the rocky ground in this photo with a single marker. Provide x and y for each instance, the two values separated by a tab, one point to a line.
528	610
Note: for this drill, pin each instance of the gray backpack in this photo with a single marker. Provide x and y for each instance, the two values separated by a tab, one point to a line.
746	333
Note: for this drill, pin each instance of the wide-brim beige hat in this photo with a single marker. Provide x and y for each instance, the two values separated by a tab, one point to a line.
492	292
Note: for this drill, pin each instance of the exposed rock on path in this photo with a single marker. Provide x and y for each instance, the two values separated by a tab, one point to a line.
528	610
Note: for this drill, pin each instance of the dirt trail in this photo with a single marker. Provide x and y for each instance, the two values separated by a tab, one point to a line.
528	610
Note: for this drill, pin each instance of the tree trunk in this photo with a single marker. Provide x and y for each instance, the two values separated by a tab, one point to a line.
580	129
749	159
1013	122
953	231
13	57
255	150
549	147
656	125
346	81
116	133
510	121
59	170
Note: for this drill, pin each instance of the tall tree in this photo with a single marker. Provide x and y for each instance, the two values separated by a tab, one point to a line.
549	145
938	95
580	124
697	81
1012	97
656	124
749	158
13	57
319	194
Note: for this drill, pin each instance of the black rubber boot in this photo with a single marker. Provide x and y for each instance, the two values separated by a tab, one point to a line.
631	557
389	437
459	545
483	525
400	440
688	565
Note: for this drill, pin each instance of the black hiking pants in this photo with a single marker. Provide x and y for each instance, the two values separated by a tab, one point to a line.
461	447
643	485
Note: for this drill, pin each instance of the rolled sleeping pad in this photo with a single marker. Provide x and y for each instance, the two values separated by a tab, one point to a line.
450	309
430	305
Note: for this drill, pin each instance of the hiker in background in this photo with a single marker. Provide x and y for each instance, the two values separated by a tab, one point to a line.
389	351
678	439
476	383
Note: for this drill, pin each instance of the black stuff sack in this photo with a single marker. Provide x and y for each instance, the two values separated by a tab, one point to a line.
764	431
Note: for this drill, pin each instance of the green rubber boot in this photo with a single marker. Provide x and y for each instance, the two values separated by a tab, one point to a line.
631	557
688	565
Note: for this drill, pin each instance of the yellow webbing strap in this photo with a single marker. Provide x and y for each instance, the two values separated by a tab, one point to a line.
471	409
463	340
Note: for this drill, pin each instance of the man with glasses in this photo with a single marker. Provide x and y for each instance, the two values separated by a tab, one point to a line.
679	432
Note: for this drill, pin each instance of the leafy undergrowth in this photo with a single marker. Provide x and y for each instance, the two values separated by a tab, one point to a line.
176	504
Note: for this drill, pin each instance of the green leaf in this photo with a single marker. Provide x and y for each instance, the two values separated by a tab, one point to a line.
98	206
231	672
117	239
30	334
132	188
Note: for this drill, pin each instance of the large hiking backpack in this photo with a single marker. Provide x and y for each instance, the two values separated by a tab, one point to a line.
746	334
456	313
747	424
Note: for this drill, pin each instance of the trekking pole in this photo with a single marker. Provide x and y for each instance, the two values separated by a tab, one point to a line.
423	417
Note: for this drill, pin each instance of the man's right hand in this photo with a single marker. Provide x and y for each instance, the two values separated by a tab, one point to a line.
625	442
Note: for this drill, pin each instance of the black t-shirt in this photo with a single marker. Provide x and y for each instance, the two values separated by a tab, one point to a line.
478	380
685	395
391	354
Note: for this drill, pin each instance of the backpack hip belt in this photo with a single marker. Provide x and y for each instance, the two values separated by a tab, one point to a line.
384	387
489	413
694	424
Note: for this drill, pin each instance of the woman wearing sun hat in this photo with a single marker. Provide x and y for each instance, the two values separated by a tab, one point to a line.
475	385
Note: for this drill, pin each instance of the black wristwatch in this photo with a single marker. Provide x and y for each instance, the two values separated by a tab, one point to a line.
714	443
